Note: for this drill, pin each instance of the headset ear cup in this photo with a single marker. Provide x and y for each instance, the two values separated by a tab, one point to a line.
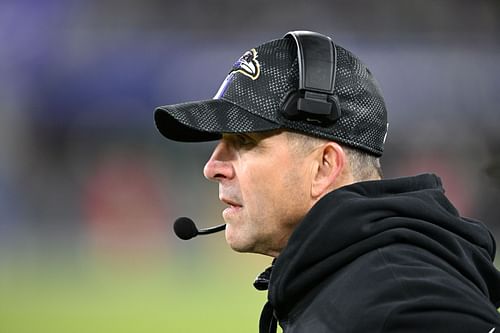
336	111
289	109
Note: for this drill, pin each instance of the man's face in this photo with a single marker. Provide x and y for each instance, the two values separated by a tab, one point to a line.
266	185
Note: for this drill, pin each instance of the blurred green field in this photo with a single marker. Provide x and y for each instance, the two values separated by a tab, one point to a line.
200	288
195	293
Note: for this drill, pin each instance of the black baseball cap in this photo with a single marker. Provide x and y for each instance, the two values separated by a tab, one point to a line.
253	96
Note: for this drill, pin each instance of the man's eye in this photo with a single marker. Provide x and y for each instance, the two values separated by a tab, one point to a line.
244	140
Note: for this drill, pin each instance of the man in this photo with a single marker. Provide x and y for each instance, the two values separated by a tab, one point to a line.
301	125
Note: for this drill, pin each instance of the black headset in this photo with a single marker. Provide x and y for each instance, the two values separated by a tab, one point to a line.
315	101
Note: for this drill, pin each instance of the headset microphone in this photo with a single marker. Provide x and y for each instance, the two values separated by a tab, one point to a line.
185	228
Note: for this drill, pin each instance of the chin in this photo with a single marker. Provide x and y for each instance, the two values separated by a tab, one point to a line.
240	249
237	244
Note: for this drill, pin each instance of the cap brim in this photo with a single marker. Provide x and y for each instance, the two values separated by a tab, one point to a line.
207	120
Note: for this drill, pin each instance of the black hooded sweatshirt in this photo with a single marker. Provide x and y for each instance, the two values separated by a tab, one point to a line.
385	256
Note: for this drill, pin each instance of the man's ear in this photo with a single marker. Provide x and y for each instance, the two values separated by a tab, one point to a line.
330	162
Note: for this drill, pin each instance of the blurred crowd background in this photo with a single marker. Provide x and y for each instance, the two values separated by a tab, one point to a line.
89	189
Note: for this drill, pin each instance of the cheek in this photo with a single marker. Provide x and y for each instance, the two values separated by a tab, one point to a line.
260	189
272	193
296	194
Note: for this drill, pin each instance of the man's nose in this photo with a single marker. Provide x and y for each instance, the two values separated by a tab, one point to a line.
219	166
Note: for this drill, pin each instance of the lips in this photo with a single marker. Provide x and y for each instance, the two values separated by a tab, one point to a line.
230	202
230	212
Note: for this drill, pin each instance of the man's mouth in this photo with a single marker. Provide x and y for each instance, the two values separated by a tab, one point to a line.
233	209
230	202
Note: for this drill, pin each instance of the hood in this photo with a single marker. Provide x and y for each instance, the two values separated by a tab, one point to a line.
359	218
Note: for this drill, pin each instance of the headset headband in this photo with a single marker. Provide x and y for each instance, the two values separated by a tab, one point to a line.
317	57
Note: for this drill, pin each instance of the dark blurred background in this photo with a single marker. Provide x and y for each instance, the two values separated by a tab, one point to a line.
87	185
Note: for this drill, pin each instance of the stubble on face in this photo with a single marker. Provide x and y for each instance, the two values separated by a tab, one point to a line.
271	183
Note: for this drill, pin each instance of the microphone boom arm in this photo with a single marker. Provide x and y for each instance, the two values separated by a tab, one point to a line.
212	230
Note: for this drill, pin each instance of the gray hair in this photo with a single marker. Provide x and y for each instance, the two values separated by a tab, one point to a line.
363	165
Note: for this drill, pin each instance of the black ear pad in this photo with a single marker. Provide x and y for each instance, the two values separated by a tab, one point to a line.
321	112
314	101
